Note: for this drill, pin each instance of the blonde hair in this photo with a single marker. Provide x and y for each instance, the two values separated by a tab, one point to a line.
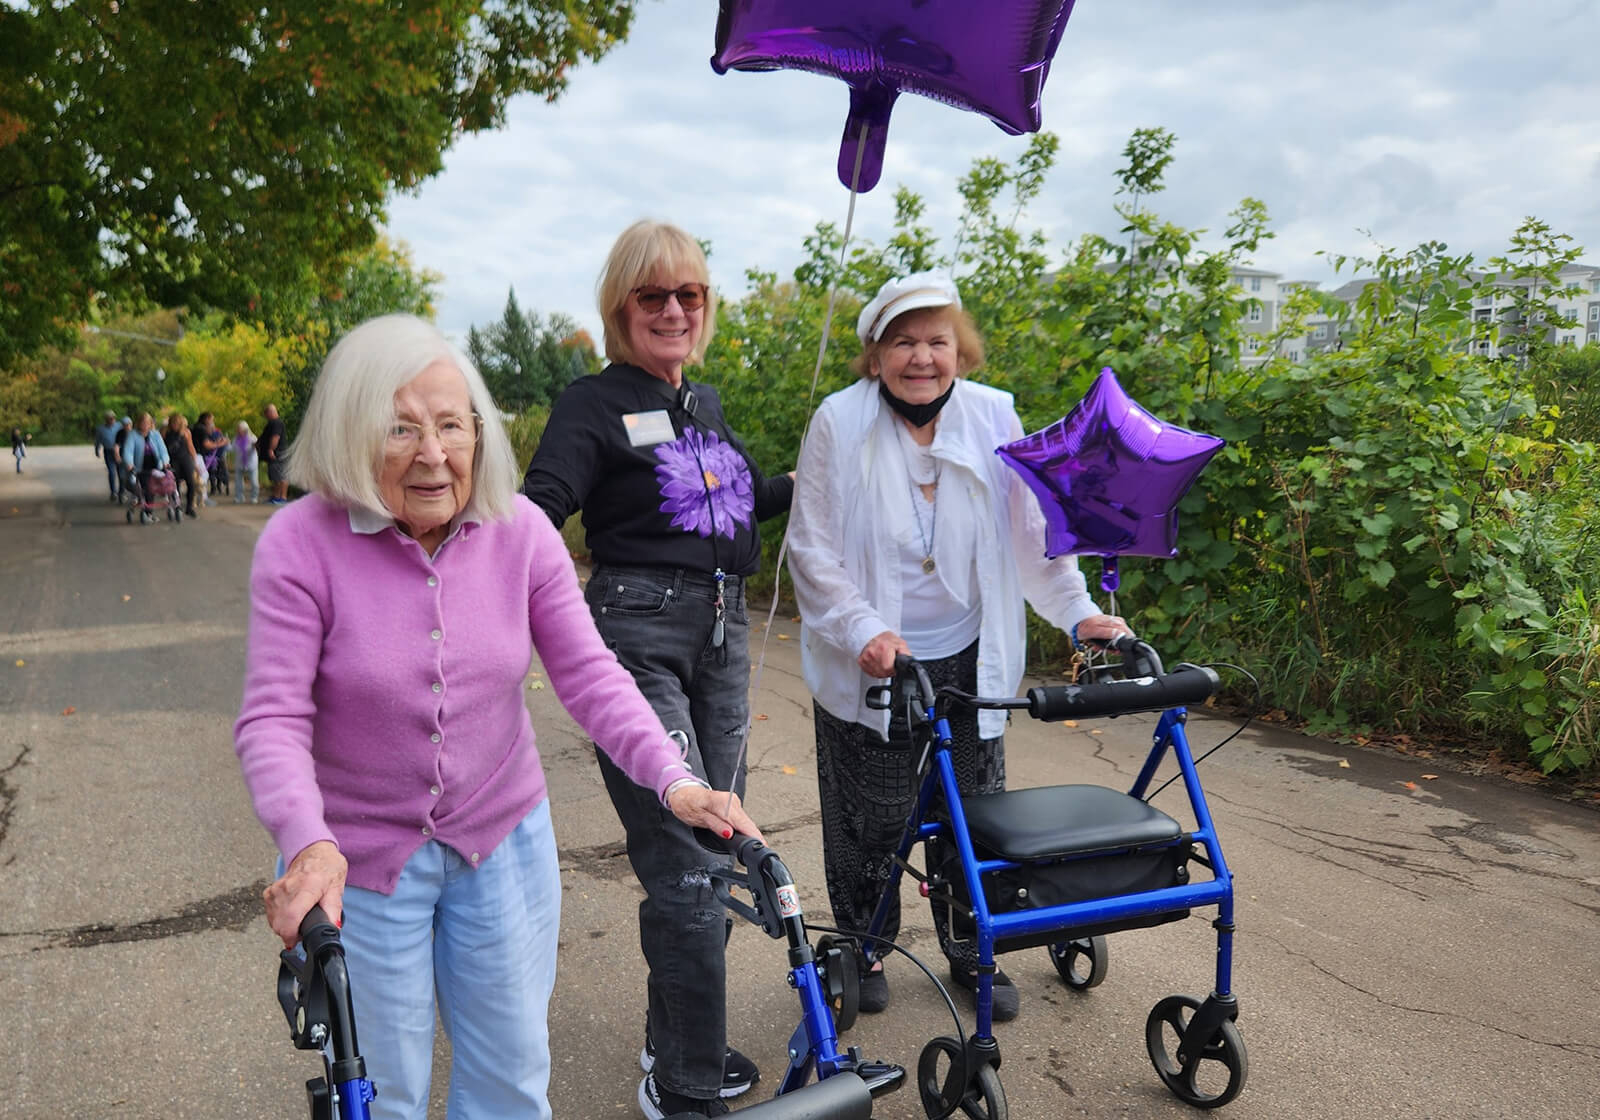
646	252
969	343
339	450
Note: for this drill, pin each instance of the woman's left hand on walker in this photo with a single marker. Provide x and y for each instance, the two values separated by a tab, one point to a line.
1103	628
716	809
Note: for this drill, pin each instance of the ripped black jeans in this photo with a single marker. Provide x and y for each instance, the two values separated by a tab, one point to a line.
660	622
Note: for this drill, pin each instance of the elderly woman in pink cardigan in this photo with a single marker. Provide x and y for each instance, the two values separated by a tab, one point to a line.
394	613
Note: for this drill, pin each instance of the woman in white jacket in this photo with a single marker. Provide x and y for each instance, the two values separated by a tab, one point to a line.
908	534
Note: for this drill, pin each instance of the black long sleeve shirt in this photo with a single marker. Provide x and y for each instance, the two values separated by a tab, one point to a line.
659	475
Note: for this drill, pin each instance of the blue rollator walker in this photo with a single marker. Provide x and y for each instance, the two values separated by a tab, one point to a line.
1062	866
315	993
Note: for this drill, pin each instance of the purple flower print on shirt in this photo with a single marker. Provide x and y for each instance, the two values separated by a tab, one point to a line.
705	484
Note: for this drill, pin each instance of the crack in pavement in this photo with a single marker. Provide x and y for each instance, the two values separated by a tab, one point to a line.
8	797
231	910
1324	842
1581	1049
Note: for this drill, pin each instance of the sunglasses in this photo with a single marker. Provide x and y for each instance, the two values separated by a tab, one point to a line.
691	297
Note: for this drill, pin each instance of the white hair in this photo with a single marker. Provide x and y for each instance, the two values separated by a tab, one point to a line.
339	450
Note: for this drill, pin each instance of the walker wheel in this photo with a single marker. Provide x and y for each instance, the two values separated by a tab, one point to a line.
128	513
1090	953
980	1096
1211	1078
177	514
844	980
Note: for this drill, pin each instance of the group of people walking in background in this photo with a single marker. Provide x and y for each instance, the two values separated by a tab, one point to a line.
416	580
202	458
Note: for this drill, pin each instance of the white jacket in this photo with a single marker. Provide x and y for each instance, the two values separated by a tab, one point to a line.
849	518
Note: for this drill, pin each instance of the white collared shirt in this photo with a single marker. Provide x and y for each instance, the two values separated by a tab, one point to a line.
369	521
850	520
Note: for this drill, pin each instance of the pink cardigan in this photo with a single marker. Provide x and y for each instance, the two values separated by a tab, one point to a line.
383	696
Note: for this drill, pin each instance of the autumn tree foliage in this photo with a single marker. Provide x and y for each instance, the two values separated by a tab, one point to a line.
220	153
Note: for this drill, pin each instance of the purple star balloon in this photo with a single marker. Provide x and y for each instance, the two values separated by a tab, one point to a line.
1108	475
990	57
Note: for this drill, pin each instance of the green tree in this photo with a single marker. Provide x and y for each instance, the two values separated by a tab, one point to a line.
224	153
230	369
117	363
526	359
378	280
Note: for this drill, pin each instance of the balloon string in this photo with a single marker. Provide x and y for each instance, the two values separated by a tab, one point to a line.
816	376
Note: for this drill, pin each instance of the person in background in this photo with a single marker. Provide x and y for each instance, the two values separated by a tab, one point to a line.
19	447
105	446
180	450
125	430
414	580
271	447
209	443
245	467
143	451
670	503
910	535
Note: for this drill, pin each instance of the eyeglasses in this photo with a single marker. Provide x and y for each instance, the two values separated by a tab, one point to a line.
652	299
455	433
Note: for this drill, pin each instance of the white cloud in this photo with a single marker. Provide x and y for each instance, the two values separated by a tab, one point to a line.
1414	119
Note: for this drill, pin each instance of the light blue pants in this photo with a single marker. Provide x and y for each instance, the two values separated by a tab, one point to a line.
484	942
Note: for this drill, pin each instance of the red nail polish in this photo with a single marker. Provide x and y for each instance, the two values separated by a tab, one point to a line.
727	834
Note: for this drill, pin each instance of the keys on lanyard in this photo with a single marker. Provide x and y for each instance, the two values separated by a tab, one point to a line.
719	630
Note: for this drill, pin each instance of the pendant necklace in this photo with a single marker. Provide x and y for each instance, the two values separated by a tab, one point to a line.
927	538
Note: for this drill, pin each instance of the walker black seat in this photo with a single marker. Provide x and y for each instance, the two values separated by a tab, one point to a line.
1046	822
1073	844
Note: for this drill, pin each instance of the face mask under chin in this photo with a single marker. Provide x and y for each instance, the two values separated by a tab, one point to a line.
917	415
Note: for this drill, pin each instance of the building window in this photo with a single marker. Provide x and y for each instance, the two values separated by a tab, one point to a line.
1594	313
1255	314
1294	355
1255	283
1320	332
1594	285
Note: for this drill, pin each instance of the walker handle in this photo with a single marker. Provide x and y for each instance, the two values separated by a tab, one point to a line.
1187	684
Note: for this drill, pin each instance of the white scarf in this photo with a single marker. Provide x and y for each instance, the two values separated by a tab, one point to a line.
958	514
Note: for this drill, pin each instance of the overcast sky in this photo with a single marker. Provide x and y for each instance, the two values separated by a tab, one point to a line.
1412	119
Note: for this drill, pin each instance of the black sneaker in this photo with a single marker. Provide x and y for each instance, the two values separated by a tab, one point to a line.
738	1071
657	1103
874	992
1004	1007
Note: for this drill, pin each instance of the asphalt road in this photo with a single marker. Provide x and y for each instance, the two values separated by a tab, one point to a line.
1407	946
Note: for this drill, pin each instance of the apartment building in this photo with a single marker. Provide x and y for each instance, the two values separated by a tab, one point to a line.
1271	291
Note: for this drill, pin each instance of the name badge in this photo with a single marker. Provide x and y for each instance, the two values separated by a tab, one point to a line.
646	429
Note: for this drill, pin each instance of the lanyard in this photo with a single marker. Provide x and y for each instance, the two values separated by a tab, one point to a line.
719	628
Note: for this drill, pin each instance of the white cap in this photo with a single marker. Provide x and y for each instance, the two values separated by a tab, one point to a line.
933	288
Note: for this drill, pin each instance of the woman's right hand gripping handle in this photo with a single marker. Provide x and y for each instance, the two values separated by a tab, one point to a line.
877	657
315	877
